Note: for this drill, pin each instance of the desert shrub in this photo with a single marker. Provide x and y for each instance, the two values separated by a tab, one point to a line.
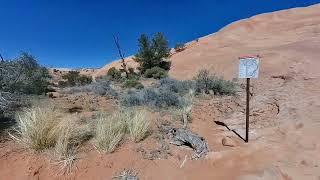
23	75
36	127
133	99
205	82
156	73
114	73
180	87
132	83
84	79
131	70
168	99
152	53
109	131
101	87
179	47
62	84
154	98
74	78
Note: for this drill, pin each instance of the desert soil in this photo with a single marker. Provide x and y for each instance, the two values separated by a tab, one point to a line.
285	117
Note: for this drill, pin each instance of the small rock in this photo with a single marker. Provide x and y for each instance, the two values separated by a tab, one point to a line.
227	141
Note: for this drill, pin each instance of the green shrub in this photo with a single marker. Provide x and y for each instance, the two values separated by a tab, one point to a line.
84	79
73	78
179	47
133	83
156	73
114	73
152	53
205	82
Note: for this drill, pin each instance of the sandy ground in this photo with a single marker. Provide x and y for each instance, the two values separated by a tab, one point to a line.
285	118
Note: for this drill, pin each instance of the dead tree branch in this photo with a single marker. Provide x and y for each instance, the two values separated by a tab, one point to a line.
121	54
2	60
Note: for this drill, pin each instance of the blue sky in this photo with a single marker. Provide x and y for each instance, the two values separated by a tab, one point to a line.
79	33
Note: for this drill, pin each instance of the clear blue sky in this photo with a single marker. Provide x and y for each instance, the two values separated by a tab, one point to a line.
69	33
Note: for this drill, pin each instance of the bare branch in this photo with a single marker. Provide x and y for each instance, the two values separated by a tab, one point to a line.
121	54
2	60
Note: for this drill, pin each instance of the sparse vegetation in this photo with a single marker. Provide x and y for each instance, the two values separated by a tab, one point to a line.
153	97
127	174
74	78
156	73
206	83
111	128
114	74
133	83
152	53
176	86
179	47
101	87
70	134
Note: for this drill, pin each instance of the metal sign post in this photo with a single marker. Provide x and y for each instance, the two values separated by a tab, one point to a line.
248	68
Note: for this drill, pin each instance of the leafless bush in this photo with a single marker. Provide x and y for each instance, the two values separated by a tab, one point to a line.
22	76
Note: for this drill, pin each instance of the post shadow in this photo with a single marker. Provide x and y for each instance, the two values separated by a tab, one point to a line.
223	124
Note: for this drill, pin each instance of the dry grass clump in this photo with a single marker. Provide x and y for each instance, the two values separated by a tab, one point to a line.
137	124
70	135
44	128
111	129
36	127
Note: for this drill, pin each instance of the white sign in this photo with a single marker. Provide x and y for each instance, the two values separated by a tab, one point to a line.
248	67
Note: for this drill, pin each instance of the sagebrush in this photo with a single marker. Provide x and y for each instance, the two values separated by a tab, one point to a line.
205	82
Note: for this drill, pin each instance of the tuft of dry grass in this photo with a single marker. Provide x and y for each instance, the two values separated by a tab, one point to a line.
109	131
137	124
36	127
43	128
70	135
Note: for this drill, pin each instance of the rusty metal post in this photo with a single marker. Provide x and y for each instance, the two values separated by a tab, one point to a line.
247	110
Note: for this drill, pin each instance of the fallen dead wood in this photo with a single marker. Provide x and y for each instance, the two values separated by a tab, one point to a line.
184	137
